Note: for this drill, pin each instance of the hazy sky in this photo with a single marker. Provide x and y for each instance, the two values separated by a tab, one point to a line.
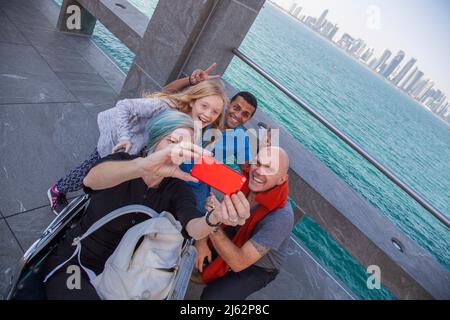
419	27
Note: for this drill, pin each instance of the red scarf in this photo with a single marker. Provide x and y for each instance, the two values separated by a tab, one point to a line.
268	201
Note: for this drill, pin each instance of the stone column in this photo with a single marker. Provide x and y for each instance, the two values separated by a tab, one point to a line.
67	21
184	35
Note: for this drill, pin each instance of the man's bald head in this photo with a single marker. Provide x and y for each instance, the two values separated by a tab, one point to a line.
270	170
278	155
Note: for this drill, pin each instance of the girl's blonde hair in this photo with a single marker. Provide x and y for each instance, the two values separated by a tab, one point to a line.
185	98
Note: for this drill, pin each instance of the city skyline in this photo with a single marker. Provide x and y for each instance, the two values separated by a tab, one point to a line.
394	67
403	25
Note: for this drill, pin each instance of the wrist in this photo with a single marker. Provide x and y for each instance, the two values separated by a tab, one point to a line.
211	219
216	232
139	167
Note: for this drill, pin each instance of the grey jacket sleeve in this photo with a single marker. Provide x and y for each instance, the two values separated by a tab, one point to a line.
129	110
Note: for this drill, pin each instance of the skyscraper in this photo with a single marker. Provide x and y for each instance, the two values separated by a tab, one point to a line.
419	88
356	46
291	10
428	94
444	108
296	12
346	41
327	29
394	64
310	21
408	78
383	68
428	87
333	32
404	71
321	20
386	55
439	103
434	96
372	63
409	88
367	55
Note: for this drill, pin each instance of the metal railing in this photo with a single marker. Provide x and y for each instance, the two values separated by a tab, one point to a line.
388	173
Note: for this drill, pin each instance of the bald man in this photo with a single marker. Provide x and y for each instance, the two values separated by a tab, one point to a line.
249	256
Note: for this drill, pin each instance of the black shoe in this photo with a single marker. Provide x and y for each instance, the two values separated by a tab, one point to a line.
58	200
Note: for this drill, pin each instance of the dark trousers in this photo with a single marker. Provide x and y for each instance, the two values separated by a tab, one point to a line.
238	285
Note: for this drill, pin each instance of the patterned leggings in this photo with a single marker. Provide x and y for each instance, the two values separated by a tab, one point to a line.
74	180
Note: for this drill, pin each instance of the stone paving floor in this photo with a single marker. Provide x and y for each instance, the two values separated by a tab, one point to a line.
52	86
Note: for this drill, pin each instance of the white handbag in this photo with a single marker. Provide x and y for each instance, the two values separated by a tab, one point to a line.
146	273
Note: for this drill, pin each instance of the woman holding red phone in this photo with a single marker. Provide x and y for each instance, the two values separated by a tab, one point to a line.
123	128
122	179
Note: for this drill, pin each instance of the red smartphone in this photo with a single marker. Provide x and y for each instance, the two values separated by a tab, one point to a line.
218	175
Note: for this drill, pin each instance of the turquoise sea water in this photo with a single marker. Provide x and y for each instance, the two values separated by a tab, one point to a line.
393	128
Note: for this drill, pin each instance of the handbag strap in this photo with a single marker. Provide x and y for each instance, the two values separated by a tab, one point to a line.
97	225
135	208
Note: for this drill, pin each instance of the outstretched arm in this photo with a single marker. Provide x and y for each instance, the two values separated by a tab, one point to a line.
177	85
195	78
109	174
161	164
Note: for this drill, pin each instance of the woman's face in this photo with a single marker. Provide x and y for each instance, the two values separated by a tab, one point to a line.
207	109
176	136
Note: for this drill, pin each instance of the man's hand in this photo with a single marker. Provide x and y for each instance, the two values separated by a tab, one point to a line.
125	144
165	163
202	75
203	252
233	210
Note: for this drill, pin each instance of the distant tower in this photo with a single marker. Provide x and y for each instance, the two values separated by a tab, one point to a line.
428	86
296	12
360	51
433	98
333	32
394	64
383	68
408	78
411	87
417	90
372	63
367	55
327	29
291	10
321	20
386	55
404	71
428	96
346	41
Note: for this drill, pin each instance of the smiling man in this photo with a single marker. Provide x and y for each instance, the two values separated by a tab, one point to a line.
233	148
249	257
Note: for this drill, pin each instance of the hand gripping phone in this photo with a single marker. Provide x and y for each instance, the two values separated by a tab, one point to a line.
218	176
